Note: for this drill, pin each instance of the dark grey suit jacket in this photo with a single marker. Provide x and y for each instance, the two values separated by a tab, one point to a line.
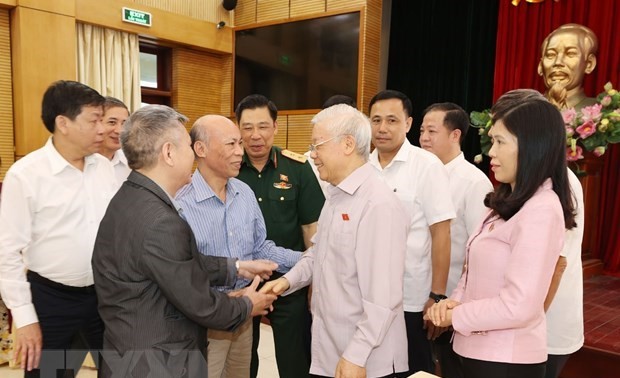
154	288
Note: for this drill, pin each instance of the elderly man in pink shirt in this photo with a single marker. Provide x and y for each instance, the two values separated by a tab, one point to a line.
356	264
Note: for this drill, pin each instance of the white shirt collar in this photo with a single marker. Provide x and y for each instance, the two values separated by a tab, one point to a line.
454	162
58	163
401	155
119	158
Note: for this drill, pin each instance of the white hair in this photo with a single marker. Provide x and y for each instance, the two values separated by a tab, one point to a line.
342	119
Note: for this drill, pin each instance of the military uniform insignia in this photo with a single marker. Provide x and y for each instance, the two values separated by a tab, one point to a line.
282	185
283	177
294	156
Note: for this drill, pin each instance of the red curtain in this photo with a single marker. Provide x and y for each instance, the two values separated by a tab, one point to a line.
520	32
608	247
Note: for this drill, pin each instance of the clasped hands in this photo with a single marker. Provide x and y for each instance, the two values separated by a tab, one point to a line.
276	287
440	313
256	270
262	268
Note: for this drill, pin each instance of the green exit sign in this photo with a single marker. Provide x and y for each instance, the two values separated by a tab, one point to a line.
136	17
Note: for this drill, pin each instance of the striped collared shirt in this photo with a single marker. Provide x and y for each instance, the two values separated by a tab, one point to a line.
234	228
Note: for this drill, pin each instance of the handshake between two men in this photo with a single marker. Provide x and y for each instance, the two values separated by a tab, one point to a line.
258	270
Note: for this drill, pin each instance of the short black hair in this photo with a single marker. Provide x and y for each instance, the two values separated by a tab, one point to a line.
255	101
339	99
66	98
389	94
113	102
455	117
541	135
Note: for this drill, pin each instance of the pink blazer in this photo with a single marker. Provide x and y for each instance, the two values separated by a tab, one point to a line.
508	269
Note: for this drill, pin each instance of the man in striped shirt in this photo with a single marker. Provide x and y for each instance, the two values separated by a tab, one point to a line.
227	221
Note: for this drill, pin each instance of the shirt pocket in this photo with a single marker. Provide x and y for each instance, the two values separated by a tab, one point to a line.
283	205
341	253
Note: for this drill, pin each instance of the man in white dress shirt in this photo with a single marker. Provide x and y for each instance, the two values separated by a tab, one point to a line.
114	117
52	202
421	182
443	129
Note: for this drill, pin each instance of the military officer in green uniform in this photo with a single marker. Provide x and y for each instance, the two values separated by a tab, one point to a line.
291	200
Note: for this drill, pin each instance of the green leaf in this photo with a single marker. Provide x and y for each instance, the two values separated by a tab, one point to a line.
594	141
614	138
480	119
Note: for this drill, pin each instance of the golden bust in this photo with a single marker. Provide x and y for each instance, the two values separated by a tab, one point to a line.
568	54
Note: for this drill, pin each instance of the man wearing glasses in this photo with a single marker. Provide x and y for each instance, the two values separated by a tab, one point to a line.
356	265
291	200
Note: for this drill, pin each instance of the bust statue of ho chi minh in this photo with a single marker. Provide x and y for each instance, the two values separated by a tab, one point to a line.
568	54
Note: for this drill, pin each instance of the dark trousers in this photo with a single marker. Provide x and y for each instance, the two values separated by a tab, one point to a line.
395	375
487	369
555	364
419	347
65	313
290	322
450	362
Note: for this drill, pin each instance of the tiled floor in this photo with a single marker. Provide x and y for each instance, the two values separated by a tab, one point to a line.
266	368
601	306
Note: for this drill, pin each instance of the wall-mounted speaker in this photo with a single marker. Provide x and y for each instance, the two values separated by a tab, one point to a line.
229	4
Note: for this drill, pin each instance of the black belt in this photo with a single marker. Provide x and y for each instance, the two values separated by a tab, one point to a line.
36	277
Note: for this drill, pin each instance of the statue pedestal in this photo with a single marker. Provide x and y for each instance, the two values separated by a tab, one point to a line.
591	184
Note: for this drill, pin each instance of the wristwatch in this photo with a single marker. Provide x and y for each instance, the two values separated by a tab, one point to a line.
436	297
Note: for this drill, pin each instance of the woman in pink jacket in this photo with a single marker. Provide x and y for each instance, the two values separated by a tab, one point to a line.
497	308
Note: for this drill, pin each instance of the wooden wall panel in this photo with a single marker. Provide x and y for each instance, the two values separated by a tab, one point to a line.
227	108
245	13
270	10
306	7
8	4
370	54
299	132
39	57
334	5
280	138
7	143
167	26
65	7
196	83
206	10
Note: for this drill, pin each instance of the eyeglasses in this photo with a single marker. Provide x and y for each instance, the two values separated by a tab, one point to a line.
313	147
